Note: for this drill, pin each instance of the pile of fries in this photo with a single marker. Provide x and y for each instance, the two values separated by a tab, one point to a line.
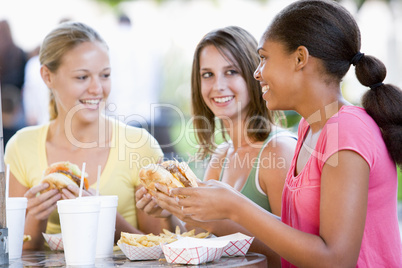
152	240
186	234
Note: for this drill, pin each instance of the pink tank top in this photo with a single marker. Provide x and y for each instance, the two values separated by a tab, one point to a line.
350	129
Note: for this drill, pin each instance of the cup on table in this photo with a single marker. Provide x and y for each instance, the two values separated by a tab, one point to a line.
79	228
107	224
15	214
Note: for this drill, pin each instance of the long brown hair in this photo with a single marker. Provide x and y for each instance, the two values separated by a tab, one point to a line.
240	47
330	33
58	42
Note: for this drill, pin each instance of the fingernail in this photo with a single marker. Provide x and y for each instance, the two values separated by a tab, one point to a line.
70	186
177	199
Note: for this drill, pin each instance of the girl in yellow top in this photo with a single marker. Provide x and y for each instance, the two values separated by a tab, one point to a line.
76	69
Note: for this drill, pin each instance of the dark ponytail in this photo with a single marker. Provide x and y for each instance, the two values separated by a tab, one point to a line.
330	33
383	102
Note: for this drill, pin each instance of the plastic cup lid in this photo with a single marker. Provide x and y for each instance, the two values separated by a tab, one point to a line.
16	202
106	200
78	205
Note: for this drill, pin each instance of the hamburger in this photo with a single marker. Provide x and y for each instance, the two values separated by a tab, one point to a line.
171	174
60	174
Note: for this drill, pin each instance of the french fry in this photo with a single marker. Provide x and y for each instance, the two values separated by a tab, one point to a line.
26	238
167	232
152	238
202	235
189	233
135	243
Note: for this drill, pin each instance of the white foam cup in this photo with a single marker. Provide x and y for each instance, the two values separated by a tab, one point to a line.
15	214
107	224
79	228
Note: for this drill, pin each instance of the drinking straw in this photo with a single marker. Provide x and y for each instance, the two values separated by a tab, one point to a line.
7	180
97	180
82	179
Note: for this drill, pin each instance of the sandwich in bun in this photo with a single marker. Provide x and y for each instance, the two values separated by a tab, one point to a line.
171	174
60	174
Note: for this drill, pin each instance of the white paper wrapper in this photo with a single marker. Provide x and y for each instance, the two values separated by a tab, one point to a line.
55	241
238	244
141	253
190	250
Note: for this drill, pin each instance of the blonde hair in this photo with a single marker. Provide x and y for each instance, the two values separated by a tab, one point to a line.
58	42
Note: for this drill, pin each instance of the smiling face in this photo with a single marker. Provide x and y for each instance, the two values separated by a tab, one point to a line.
223	88
277	76
82	81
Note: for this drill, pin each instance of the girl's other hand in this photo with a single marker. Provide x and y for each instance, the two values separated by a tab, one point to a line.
72	191
167	202
212	200
40	206
146	203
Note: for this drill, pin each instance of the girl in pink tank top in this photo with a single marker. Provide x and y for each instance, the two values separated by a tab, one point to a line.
339	204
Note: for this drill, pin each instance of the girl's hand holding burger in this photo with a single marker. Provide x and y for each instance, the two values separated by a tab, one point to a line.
66	178
72	191
40	206
200	203
167	175
146	203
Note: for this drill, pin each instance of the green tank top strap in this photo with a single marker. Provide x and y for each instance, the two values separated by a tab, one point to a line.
250	189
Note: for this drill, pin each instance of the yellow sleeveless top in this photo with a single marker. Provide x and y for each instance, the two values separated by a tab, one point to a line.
131	148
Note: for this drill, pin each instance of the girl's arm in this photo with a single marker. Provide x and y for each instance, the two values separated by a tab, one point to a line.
343	204
278	156
275	161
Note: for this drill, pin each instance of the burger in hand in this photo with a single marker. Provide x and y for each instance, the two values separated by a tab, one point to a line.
59	175
171	174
